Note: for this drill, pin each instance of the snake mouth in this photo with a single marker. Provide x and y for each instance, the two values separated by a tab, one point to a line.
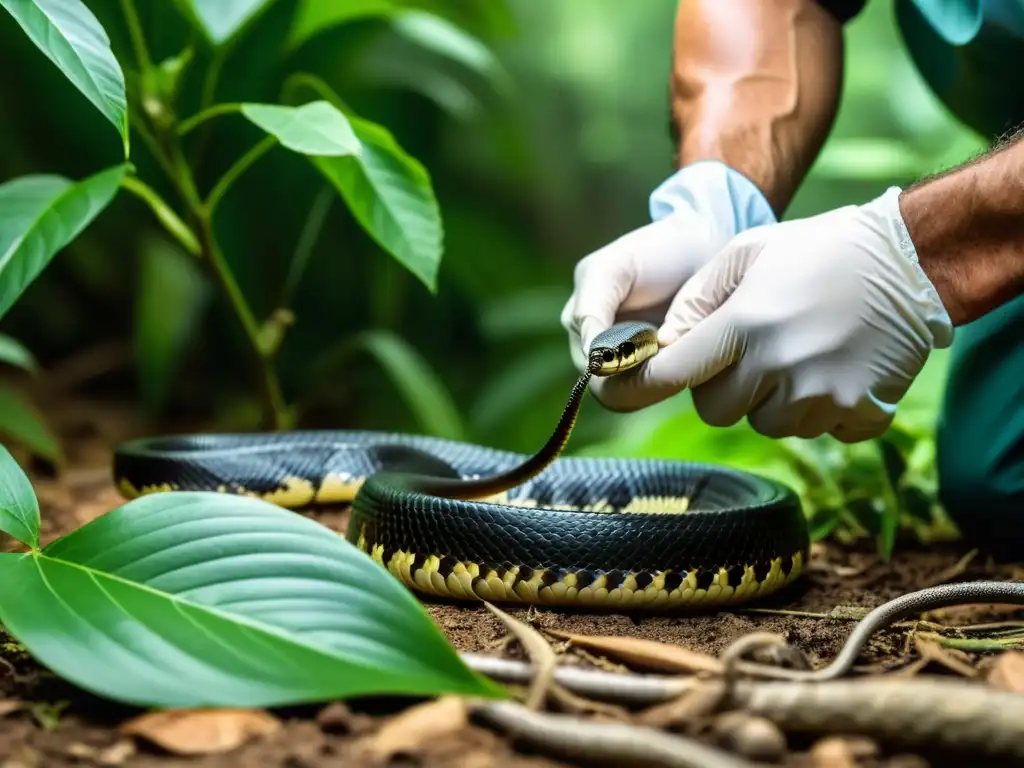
596	362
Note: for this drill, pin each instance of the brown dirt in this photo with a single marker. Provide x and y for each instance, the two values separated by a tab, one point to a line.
61	726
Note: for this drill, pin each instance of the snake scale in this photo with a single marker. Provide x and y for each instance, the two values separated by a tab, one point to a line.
457	520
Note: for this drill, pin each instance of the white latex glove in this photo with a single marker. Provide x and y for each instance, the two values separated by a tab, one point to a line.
808	327
696	211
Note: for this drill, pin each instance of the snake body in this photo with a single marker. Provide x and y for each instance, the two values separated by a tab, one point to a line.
464	521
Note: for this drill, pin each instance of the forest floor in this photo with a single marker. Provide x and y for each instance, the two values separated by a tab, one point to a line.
45	722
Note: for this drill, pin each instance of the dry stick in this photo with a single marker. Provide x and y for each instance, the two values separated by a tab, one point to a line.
942	713
579	739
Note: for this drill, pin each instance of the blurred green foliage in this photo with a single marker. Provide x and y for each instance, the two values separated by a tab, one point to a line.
542	128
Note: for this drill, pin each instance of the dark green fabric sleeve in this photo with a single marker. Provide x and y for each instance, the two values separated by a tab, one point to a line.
981	432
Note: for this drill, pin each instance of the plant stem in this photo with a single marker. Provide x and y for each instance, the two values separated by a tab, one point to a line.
316	84
201	117
138	38
977	643
307	239
273	400
166	215
236	170
202	214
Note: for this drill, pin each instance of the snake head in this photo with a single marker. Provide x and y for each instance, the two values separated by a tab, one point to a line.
623	346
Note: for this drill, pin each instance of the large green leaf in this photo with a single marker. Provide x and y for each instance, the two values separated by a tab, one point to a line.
73	39
221	20
204	599
172	294
22	422
316	128
41	214
13	352
19	507
390	194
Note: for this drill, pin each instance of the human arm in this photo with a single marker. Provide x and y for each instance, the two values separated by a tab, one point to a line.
968	229
754	90
756	85
820	325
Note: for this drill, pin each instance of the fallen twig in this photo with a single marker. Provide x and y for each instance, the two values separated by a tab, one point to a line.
580	739
978	643
940	712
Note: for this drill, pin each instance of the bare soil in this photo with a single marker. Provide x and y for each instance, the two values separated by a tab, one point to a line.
60	725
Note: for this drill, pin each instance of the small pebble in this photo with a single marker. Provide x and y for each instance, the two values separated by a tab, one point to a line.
754	737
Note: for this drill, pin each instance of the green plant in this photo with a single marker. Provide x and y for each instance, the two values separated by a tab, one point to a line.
206	599
384	188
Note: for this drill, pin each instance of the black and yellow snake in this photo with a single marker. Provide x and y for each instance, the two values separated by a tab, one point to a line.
457	520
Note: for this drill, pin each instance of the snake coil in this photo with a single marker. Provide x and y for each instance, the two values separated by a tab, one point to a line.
464	521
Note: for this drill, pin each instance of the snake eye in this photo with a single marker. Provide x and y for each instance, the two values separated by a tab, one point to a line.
627	348
608	355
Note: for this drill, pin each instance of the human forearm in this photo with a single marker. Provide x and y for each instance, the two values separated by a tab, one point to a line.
756	84
967	226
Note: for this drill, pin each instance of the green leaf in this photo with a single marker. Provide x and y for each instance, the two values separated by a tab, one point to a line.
221	20
391	196
316	128
73	39
172	294
420	387
212	600
19	507
22	423
13	352
447	40
41	214
315	16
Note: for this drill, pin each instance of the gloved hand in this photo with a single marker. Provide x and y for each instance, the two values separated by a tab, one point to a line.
695	211
808	327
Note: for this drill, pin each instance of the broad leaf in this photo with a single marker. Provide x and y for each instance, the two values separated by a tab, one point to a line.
212	600
73	39
315	16
316	128
172	294
19	507
13	352
221	20
391	196
22	423
41	214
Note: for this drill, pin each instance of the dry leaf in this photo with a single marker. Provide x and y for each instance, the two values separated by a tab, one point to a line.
842	751
10	706
80	751
540	653
117	753
649	654
201	731
1008	672
932	651
415	727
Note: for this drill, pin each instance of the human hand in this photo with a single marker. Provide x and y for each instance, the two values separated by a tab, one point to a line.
696	212
808	327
